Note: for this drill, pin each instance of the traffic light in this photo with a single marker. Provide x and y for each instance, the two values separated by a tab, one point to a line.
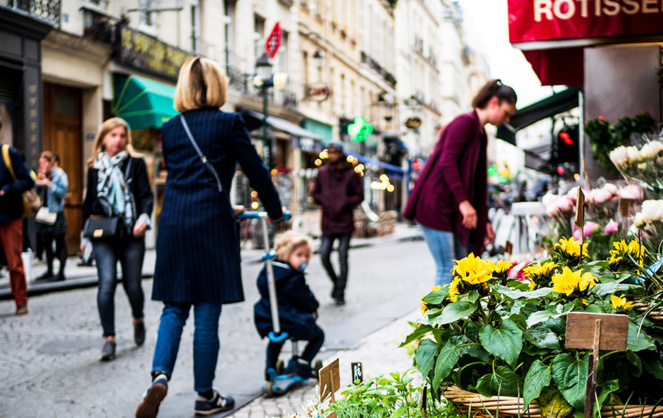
566	147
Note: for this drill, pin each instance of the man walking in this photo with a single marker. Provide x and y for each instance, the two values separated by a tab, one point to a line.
338	189
11	222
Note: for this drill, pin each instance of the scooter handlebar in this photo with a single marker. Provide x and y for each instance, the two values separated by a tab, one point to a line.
257	215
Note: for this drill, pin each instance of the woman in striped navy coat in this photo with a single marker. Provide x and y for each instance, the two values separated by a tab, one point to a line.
197	249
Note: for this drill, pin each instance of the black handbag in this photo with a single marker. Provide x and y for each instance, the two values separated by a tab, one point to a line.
104	228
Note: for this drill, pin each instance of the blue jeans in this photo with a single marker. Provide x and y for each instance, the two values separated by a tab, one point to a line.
130	252
205	341
340	280
445	248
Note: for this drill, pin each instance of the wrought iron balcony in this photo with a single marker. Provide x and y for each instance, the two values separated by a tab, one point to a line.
49	10
238	80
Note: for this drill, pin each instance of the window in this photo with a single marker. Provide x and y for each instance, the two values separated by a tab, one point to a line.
305	67
258	35
283	53
195	27
228	21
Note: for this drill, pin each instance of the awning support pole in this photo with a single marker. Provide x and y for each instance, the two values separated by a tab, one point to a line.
581	138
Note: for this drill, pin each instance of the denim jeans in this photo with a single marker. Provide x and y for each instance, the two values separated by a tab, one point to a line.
445	248
340	280
205	341
130	252
310	351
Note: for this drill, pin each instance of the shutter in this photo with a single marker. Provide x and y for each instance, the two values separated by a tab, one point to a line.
10	83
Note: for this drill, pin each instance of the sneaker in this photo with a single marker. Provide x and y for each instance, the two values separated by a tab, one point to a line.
46	276
339	301
108	351
57	278
218	403
22	310
153	397
302	370
139	333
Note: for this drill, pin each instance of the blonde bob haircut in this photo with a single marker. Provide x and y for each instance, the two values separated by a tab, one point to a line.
286	243
106	127
200	84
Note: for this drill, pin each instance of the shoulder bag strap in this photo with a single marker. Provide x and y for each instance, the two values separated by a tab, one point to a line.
202	156
8	161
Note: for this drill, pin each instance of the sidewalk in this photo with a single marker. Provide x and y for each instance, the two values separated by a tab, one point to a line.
379	353
81	277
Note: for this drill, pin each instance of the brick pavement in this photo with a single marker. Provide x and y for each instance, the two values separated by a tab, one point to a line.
49	360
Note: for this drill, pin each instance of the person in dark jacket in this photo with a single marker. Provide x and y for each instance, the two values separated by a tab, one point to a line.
338	189
450	200
297	305
198	262
11	220
117	185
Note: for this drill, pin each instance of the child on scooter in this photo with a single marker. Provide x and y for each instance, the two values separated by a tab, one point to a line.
297	305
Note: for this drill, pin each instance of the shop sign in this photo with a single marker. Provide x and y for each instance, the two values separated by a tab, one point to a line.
318	92
545	20
147	53
412	123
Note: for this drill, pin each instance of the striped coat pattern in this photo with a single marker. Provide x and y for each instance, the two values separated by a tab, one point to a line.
197	247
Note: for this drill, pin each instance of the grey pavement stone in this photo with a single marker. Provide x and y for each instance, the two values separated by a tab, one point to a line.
49	359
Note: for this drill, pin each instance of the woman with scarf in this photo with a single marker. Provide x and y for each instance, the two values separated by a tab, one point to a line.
117	185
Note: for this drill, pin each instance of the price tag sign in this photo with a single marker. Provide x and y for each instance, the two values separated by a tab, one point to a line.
625	206
357	373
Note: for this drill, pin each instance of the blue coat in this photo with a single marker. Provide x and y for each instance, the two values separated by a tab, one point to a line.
197	246
58	190
296	303
11	203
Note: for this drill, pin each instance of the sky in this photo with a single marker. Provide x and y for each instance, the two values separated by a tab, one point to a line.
487	30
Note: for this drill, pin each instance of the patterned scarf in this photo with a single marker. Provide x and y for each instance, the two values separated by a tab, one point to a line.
112	187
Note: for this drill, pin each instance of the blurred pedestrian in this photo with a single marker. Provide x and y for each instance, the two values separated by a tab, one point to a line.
297	306
53	228
450	199
15	179
338	189
117	185
197	247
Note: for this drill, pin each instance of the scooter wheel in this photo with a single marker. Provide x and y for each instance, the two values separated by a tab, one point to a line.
280	367
269	390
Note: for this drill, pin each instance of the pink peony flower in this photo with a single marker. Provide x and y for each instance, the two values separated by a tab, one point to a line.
588	230
612	227
631	192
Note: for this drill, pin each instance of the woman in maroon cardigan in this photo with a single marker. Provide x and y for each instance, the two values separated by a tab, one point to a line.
449	200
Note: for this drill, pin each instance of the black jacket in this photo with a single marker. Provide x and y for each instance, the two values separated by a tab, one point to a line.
11	203
139	186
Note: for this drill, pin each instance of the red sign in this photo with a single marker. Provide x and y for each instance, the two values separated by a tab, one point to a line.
318	92
544	20
273	42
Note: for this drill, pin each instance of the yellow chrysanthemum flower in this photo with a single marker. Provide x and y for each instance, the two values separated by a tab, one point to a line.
585	302
453	289
438	287
617	255
532	285
502	266
424	308
571	247
568	281
473	269
620	302
538	269
637	251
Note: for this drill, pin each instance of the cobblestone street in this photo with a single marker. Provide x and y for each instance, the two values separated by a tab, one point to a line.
49	364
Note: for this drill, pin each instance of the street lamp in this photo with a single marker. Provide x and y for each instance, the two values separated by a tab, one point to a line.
318	56
264	72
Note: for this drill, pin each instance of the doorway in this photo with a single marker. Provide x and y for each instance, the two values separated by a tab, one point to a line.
63	136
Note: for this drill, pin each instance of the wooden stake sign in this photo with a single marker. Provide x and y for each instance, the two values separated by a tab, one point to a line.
580	218
625	206
610	332
508	248
330	380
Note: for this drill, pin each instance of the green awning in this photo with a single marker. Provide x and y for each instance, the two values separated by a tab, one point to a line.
321	129
143	103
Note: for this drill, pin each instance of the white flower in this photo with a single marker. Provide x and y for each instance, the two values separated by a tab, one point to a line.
631	192
601	195
619	156
639	220
656	145
565	204
648	151
652	211
633	155
549	199
552	210
573	194
610	188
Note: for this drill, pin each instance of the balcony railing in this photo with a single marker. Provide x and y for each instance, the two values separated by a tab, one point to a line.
237	79
48	10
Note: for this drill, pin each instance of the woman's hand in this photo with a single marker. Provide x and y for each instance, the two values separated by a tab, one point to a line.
139	229
43	182
469	214
238	209
490	234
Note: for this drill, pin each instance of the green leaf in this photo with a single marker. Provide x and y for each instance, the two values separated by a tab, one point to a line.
418	333
456	311
537	378
477	352
519	294
542	316
542	337
639	340
655	368
604	390
436	296
603	289
552	403
518	320
446	361
504	382
505	342
570	376
425	356
473	296
636	362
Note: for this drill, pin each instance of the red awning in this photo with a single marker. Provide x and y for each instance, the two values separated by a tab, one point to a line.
563	66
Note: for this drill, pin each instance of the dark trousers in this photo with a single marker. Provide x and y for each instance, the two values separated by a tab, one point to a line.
130	252
312	348
46	241
340	280
11	242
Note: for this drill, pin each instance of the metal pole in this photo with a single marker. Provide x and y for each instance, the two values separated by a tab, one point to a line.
267	145
581	136
271	284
